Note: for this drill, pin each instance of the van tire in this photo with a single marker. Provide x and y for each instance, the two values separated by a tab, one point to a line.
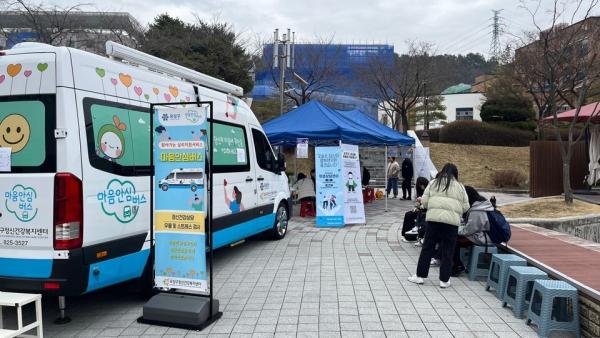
164	187
194	188
281	222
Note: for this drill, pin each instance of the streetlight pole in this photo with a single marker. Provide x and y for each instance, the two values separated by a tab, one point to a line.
283	57
426	100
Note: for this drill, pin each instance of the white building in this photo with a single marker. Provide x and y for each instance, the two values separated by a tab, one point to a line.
460	106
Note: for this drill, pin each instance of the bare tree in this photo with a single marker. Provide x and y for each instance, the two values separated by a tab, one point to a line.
561	68
51	24
398	84
68	26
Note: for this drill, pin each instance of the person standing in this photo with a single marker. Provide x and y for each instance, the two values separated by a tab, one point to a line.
407	176
366	177
446	201
393	170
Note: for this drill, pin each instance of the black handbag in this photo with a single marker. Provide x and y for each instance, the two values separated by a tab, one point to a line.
421	223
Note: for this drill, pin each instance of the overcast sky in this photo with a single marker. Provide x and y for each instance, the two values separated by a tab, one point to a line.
453	26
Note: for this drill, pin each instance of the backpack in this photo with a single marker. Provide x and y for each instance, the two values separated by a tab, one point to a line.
499	228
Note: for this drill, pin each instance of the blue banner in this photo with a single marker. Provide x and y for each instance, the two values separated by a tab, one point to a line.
330	194
180	141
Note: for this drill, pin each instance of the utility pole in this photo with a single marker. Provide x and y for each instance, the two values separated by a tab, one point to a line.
426	101
283	57
496	31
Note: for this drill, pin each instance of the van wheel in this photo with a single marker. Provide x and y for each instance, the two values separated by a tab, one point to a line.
164	187
194	188
281	222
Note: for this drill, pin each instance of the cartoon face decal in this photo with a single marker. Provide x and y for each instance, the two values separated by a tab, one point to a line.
112	140
15	132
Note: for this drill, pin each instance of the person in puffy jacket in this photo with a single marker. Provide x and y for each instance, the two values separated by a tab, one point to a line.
446	201
474	231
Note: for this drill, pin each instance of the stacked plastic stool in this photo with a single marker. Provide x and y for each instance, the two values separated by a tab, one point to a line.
307	208
479	262
554	307
519	286
499	270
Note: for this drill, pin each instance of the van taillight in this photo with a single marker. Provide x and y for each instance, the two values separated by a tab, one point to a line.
68	212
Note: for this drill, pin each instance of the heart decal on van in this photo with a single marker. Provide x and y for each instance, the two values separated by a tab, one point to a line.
100	71
42	67
14	69
126	79
2	77
138	90
167	97
174	91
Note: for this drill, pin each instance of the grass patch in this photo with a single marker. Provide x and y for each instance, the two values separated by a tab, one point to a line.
476	164
549	208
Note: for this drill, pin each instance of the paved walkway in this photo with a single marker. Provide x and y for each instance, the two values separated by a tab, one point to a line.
348	282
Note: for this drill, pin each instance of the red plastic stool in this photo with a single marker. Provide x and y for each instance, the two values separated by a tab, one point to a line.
368	195
307	208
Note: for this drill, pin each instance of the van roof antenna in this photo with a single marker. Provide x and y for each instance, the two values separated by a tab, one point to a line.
120	52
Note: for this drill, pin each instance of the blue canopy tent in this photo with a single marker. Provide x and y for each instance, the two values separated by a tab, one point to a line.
323	125
368	122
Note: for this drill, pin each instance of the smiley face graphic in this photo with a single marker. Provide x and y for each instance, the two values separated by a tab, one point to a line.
14	132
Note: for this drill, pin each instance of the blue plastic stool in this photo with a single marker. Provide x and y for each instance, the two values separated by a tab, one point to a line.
519	285
465	254
554	307
479	262
499	271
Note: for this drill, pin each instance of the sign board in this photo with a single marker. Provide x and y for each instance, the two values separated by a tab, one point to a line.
354	212
330	194
179	197
302	148
422	164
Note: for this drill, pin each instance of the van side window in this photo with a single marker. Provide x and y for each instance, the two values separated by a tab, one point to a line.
118	137
264	155
230	148
27	124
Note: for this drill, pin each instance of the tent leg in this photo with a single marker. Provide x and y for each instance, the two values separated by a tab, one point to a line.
386	178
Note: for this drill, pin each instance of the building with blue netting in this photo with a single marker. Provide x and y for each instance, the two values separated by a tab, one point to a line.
343	64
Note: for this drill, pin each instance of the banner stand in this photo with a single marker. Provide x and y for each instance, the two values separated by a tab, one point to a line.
191	311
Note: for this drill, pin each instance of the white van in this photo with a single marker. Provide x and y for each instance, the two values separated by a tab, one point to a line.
188	177
76	211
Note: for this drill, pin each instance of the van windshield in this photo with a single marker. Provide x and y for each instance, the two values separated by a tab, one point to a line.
27	128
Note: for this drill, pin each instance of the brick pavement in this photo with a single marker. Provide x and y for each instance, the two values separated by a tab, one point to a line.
348	282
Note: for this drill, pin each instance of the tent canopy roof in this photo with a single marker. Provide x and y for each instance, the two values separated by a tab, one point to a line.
323	125
592	109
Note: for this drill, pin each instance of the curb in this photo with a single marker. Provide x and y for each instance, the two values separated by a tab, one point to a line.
504	191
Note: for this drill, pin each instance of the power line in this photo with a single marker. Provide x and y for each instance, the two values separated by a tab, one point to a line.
468	42
460	37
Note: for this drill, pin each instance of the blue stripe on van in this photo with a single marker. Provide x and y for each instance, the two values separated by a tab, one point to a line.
243	230
117	270
25	268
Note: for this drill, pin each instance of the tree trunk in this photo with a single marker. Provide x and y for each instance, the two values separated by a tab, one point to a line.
405	122
567	180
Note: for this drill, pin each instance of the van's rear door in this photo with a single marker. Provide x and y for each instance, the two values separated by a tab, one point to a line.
27	124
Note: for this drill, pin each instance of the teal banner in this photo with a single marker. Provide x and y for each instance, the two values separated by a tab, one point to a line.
180	141
330	192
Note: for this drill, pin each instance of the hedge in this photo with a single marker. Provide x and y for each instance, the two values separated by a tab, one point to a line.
481	133
507	110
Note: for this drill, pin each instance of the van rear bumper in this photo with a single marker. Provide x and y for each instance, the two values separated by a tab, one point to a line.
70	275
